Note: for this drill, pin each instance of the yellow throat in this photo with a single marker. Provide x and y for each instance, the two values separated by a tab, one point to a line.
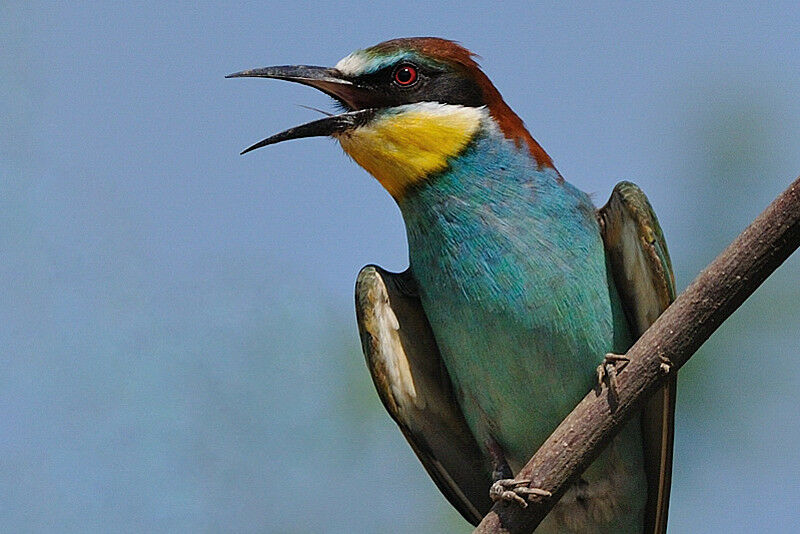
405	145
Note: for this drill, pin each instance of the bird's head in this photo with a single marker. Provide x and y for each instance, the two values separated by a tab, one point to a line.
410	105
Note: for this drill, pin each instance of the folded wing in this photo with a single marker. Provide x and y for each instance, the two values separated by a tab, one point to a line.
642	272
413	385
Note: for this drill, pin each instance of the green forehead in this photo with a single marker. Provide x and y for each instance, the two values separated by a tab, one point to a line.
371	60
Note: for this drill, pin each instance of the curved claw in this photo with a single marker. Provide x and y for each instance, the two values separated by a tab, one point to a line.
607	372
666	364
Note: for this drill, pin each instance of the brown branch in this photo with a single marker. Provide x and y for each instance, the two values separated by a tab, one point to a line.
713	296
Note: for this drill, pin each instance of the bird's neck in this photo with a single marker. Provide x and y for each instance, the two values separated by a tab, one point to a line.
407	146
493	187
492	170
403	146
495	221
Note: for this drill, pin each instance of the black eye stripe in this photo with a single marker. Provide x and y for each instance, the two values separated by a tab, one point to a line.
433	83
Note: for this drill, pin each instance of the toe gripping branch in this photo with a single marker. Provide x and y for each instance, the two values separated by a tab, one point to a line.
506	488
612	364
509	489
607	373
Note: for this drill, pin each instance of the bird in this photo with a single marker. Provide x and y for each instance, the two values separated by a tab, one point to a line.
519	291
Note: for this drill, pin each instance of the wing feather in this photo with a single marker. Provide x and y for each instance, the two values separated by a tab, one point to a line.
413	385
642	270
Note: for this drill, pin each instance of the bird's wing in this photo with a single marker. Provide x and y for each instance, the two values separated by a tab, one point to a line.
415	388
643	275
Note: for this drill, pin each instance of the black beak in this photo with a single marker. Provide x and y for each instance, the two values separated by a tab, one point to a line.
329	81
319	128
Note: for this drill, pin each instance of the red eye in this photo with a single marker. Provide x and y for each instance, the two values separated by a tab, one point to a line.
405	75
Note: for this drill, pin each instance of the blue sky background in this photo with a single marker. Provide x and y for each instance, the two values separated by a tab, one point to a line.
179	344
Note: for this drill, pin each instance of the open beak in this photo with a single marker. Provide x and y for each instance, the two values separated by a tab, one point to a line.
329	81
319	128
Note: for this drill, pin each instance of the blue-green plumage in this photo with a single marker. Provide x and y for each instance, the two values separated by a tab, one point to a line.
513	276
517	286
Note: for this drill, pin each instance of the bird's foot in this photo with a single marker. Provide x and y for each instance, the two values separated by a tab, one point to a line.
509	489
506	488
666	364
607	372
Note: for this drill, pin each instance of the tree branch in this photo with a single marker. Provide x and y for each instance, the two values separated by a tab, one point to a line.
713	296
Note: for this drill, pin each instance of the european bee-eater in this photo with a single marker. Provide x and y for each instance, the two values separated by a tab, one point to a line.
517	287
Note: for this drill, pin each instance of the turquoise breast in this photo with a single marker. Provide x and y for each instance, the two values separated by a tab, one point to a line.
512	275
